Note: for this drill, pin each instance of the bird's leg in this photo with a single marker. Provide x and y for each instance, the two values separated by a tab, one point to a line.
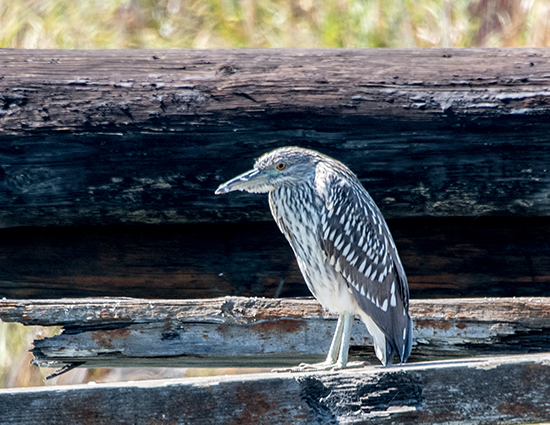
332	356
336	342
337	357
344	345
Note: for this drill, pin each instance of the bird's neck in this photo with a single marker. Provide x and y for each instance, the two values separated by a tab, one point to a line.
293	204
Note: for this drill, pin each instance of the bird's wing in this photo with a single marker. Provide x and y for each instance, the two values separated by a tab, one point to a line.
358	244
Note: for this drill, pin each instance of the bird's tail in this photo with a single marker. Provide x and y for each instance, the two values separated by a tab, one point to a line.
407	345
403	350
385	346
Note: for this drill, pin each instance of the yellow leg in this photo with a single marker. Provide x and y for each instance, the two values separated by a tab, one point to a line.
337	357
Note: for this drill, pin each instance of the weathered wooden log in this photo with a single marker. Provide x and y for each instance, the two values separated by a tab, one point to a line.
240	332
498	390
135	136
460	257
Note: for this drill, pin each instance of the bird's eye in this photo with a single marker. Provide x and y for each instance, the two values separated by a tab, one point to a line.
281	166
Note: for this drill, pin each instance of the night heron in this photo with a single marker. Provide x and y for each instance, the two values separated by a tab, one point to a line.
343	246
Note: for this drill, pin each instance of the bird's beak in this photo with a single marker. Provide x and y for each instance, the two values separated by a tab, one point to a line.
250	181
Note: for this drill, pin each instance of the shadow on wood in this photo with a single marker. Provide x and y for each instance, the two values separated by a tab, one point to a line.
445	257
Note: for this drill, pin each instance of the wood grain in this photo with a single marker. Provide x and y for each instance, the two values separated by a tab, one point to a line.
498	390
134	136
263	332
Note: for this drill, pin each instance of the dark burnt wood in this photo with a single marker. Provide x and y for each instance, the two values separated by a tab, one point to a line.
134	136
461	257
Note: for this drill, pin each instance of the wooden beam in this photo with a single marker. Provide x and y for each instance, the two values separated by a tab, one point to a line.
445	257
430	132
190	89
498	390
240	332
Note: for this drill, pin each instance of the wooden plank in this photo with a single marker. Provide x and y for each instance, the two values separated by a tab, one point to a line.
464	136
445	257
498	390
187	89
238	332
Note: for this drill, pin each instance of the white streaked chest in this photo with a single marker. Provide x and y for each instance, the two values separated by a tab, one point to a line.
296	214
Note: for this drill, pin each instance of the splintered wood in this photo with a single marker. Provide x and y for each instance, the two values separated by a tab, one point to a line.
262	332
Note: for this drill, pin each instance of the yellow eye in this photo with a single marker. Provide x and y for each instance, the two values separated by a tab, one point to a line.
281	166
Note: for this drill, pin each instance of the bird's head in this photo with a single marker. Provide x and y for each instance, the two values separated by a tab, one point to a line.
289	166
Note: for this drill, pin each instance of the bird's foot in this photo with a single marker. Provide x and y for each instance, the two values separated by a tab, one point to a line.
306	367
351	365
317	367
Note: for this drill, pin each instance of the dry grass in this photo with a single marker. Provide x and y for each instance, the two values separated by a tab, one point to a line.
15	367
92	24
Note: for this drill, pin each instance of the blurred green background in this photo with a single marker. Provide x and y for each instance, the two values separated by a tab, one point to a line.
198	24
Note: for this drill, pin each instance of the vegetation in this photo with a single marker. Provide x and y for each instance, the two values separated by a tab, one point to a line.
98	24
15	367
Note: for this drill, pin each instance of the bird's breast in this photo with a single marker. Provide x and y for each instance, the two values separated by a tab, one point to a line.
297	215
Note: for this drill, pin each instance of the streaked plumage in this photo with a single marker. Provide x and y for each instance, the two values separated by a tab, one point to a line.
342	244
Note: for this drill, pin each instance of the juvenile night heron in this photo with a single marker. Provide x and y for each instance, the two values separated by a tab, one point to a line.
343	246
